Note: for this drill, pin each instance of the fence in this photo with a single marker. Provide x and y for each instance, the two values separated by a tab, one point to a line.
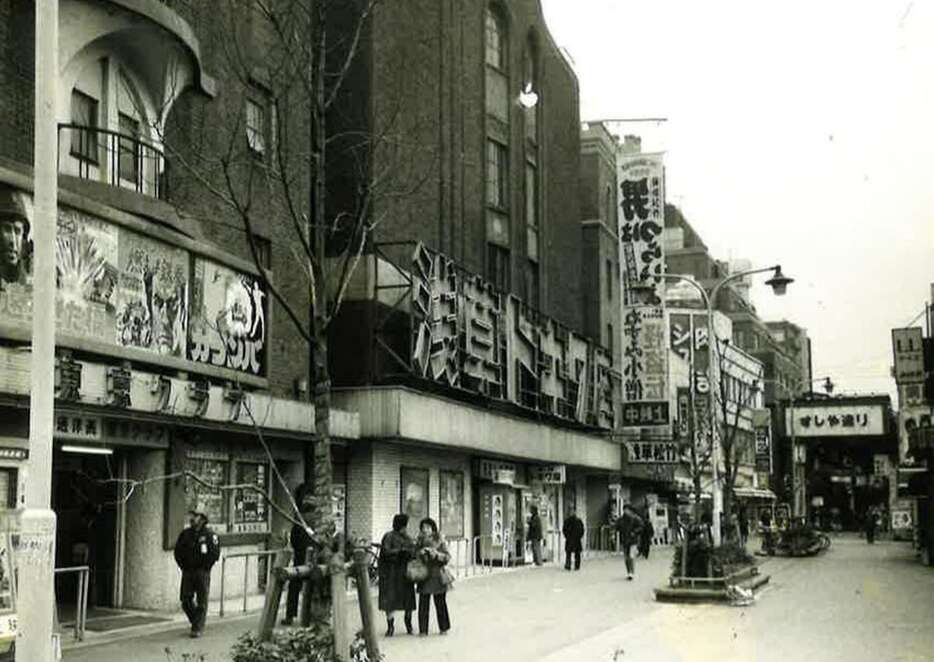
265	553
81	603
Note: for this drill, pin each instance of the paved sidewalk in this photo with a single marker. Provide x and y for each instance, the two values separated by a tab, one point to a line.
517	615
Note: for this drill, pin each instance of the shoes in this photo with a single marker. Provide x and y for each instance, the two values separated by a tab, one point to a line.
444	631
422	634
390	627
629	577
286	621
196	634
408	624
567	567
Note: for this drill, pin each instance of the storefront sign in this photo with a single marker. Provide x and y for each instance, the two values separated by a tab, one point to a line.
907	345
645	364
646	413
339	507
504	476
485	468
73	427
553	474
763	449
836	421
656	452
469	336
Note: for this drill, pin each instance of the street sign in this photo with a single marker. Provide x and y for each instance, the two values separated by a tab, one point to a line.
654	412
654	452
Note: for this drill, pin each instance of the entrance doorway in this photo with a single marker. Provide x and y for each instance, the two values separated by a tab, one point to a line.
86	504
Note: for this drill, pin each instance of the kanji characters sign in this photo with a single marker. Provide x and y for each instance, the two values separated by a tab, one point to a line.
640	178
841	420
655	452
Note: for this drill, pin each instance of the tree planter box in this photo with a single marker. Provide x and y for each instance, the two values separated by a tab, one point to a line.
710	589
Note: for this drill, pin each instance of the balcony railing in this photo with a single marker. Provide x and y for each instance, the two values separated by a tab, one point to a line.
113	158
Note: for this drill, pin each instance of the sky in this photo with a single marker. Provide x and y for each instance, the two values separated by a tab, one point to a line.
799	133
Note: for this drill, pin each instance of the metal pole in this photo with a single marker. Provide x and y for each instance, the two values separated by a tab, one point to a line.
795	497
712	413
37	536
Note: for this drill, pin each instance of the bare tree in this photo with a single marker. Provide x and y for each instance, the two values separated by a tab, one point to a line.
288	67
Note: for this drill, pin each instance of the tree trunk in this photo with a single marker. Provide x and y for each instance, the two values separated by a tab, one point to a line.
323	519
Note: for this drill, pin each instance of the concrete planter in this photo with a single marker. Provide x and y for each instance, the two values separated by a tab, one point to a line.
712	589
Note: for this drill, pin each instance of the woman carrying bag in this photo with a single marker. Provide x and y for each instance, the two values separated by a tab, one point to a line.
434	579
396	590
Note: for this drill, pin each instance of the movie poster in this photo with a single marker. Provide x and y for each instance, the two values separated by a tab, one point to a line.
228	318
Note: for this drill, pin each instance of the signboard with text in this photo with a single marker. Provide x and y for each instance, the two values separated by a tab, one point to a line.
908	347
836	421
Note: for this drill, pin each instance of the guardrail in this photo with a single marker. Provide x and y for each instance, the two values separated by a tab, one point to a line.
81	613
246	572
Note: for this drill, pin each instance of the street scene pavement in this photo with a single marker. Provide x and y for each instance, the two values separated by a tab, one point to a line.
856	602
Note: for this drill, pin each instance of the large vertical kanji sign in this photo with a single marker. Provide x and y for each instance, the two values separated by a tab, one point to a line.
640	178
645	335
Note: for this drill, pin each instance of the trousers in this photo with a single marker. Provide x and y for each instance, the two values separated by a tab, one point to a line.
577	559
441	608
630	562
196	586
537	552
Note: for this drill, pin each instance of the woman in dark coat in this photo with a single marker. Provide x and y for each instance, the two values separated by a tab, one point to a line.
573	534
396	592
646	536
432	551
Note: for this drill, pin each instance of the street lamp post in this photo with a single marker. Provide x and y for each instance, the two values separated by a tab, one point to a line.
779	283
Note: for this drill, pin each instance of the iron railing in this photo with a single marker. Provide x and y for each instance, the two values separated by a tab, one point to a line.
268	554
118	159
81	606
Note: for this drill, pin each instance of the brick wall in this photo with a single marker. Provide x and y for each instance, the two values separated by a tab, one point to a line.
374	495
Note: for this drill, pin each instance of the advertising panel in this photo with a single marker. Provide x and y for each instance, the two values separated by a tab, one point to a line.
414	495
228	318
907	345
841	420
640	178
451	495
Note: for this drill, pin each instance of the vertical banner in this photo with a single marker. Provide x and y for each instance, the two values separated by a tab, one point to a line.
640	182
640	178
764	449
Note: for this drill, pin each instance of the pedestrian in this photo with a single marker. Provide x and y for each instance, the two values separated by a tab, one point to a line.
645	537
535	535
871	524
396	591
743	527
196	551
573	531
629	526
300	540
431	550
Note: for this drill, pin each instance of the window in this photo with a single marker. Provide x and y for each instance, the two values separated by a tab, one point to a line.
8	480
497	175
609	337
128	156
609	279
610	208
530	83
255	126
531	211
497	74
497	264
84	114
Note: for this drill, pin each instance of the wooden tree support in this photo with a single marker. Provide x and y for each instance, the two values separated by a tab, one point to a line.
310	574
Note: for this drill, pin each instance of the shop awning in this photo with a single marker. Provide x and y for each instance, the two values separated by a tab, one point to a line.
753	493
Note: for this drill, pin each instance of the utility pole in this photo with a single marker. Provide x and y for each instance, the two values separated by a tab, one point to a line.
36	552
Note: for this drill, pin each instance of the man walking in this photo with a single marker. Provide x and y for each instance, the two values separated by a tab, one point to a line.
535	535
629	527
573	531
196	551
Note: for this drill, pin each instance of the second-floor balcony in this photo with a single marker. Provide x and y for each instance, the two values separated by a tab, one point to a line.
118	159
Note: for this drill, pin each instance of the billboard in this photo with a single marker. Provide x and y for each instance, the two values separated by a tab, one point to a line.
119	287
641	192
841	420
907	345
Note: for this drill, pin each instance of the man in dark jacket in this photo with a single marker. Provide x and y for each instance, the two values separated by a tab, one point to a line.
535	535
196	551
300	540
573	531
629	527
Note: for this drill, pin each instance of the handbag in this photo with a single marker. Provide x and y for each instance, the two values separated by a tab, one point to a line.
416	570
447	578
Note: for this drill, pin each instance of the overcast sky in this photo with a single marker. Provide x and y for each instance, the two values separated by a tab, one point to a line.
798	132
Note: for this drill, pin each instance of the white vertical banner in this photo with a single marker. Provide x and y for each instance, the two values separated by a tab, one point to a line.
641	195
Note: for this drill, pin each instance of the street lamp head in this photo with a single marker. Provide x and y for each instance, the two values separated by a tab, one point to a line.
828	385
779	282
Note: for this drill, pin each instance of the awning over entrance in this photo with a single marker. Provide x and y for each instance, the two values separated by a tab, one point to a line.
754	493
